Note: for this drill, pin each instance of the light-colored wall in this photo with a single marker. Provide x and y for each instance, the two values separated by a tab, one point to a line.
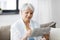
42	13
8	19
45	10
49	10
56	12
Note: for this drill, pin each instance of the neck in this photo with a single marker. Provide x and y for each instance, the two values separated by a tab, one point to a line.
26	22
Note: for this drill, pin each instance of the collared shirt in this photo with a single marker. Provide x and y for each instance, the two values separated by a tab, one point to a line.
18	29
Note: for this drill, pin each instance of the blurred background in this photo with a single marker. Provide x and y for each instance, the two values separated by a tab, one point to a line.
45	11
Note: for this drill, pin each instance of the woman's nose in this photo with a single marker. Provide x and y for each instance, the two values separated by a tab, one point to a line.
29	14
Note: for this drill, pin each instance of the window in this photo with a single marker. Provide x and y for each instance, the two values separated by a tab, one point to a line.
9	5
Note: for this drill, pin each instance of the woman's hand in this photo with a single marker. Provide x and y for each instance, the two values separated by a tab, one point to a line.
28	33
43	38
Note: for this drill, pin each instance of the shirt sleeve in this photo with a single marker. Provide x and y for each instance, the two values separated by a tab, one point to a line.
15	34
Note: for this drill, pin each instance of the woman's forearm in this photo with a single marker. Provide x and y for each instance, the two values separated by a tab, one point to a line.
26	35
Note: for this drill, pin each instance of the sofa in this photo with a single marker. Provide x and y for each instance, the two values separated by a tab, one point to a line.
54	33
5	32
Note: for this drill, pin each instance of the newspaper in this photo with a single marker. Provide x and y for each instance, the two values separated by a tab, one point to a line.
40	31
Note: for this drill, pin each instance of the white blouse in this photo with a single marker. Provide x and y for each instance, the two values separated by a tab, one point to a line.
18	29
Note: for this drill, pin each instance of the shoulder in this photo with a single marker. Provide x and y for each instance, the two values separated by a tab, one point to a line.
16	24
16	27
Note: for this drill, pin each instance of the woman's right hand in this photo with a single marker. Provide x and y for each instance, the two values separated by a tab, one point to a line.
28	33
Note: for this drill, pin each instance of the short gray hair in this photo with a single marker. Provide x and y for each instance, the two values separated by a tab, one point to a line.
27	5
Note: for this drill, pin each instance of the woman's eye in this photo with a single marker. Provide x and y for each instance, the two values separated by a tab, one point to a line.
31	13
26	12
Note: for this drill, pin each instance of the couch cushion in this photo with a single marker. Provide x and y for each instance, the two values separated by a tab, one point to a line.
55	34
5	32
0	33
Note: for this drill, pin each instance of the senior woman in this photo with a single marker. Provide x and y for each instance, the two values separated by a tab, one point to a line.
21	30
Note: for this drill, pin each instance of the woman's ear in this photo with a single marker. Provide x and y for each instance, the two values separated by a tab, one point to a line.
20	12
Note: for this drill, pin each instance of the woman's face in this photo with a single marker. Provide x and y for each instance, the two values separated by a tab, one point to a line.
27	14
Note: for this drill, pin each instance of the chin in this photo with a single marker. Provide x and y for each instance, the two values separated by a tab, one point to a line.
27	19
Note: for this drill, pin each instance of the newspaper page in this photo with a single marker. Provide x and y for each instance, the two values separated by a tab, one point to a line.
40	31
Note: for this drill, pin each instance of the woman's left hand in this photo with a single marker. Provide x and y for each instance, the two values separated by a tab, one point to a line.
43	38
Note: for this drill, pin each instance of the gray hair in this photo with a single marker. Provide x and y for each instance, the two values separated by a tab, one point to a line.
27	5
